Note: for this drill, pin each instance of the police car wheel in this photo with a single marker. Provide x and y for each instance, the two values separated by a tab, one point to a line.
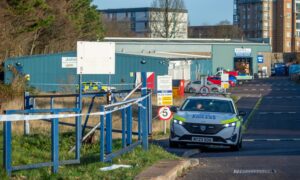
173	144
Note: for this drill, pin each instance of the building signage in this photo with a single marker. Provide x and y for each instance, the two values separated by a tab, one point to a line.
260	59
164	91
69	62
242	52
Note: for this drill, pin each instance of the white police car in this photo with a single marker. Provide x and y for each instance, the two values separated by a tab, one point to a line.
207	120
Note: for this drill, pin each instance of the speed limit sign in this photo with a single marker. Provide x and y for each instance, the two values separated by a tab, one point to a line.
204	91
164	113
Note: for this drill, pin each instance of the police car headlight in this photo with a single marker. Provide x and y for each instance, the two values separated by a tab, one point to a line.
230	124
177	122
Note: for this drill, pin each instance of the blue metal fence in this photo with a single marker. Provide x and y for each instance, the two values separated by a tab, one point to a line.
106	129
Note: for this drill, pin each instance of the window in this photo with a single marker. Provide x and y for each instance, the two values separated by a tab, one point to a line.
288	44
297	7
288	25
197	82
288	5
208	105
297	25
298	16
288	34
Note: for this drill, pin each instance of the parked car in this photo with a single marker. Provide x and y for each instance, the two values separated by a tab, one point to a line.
217	80
195	86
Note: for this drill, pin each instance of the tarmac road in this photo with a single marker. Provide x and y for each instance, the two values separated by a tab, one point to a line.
271	145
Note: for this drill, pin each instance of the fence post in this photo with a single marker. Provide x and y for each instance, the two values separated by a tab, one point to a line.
7	147
140	110
123	128
55	144
129	124
108	133
102	134
78	136
26	106
144	114
149	114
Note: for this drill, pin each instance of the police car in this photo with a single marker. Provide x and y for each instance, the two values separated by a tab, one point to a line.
207	120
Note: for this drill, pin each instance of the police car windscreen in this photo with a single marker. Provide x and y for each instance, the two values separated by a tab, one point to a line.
208	105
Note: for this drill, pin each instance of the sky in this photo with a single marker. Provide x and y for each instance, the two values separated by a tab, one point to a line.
201	12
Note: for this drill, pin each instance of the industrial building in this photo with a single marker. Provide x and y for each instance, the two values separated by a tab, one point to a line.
186	59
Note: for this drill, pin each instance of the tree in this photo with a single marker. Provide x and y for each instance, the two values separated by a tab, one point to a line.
117	28
168	18
38	26
224	22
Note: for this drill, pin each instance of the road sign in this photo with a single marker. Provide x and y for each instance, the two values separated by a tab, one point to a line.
260	59
224	77
164	113
224	85
164	91
69	62
95	57
204	91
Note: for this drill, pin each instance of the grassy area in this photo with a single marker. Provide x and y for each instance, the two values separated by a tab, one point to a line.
36	148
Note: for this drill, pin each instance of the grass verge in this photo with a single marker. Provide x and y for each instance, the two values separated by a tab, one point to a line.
36	148
250	117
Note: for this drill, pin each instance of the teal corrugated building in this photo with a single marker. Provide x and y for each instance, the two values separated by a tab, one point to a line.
183	59
46	72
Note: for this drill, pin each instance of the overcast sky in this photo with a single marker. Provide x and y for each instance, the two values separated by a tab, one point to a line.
201	12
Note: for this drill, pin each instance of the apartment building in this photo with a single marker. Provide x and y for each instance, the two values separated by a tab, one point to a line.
150	22
273	21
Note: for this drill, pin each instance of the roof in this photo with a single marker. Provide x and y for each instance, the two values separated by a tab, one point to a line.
170	55
210	97
140	9
183	41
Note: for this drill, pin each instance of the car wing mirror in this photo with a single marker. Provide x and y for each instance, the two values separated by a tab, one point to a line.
174	109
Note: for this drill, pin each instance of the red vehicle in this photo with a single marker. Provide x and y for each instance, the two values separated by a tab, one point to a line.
217	80
231	73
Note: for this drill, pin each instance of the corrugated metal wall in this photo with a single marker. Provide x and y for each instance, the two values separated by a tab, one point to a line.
47	75
200	67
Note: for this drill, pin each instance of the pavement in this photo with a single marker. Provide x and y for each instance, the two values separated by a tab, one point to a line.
271	144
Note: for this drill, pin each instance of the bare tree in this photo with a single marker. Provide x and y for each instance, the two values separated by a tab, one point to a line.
114	28
168	18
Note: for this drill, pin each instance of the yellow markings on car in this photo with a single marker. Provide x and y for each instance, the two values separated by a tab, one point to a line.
228	121
179	118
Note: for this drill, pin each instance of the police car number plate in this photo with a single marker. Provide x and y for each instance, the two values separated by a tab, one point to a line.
202	139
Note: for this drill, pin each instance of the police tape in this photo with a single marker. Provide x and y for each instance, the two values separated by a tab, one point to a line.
31	117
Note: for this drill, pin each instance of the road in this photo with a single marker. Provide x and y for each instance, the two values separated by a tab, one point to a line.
271	146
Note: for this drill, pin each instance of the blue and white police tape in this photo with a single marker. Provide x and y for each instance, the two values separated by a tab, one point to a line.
31	117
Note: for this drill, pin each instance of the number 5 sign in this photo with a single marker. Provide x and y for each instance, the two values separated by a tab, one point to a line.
164	113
